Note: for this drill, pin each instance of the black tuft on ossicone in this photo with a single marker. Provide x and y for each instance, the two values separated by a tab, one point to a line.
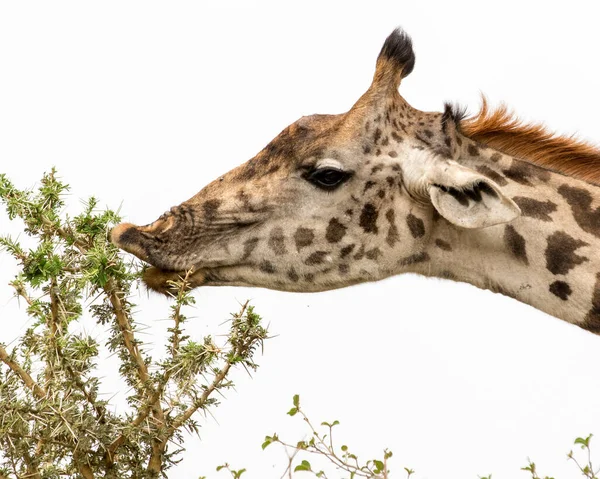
398	47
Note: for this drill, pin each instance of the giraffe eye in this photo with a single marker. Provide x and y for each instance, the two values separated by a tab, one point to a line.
327	178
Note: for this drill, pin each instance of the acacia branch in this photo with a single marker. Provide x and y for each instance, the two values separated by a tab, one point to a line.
155	463
24	375
126	330
158	392
158	444
189	412
215	384
55	300
112	291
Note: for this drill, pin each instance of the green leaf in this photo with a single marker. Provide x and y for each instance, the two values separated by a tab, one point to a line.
293	411
296	400
269	440
379	465
303	466
584	442
238	474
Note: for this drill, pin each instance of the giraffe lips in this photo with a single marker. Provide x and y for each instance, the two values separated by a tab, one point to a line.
166	282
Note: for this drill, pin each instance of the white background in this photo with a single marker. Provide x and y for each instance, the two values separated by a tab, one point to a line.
143	103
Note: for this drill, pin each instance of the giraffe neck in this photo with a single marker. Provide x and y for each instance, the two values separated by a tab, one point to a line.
547	258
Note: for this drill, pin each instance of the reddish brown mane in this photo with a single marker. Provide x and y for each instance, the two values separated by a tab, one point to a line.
501	129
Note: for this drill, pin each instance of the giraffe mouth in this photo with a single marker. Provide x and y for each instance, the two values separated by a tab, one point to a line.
169	282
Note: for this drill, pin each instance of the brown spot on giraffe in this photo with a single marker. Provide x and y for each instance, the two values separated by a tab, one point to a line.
532	208
277	241
267	267
377	135
303	237
249	246
292	275
414	259
560	253
415	225
335	231
515	244
346	250
360	254
368	185
368	218
443	245
561	289
580	201
373	254
318	257
473	150
522	172
492	174
392	235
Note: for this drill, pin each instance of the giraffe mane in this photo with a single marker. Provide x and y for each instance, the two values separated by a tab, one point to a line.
502	129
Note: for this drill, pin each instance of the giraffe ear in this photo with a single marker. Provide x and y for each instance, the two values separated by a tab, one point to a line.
467	198
395	61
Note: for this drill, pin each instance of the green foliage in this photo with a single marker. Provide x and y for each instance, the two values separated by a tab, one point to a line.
340	462
234	474
54	420
321	444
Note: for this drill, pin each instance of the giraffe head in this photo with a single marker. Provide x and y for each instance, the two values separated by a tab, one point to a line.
332	201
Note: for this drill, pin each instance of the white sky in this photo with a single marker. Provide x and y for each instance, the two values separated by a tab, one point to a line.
145	102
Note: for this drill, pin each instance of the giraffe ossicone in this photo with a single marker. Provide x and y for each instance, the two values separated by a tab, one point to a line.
383	189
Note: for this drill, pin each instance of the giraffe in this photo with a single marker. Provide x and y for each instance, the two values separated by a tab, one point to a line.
384	189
